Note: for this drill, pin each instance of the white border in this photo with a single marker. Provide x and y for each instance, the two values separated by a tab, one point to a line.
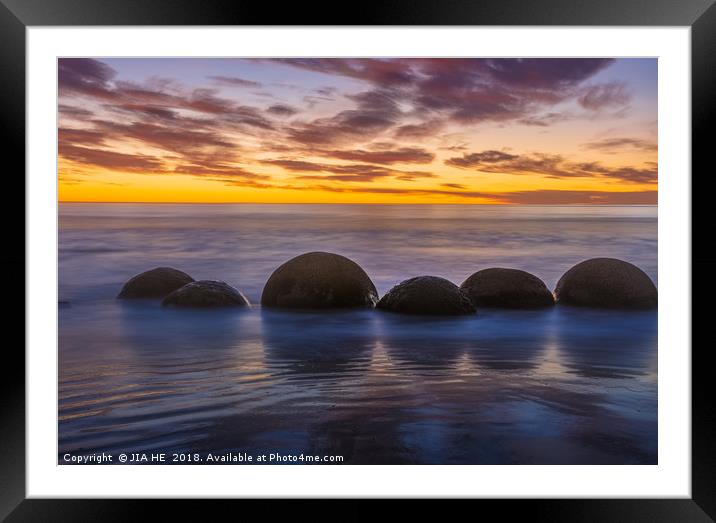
670	478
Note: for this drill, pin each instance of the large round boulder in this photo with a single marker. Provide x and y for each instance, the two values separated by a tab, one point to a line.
319	280
606	283
156	283
508	289
206	293
427	295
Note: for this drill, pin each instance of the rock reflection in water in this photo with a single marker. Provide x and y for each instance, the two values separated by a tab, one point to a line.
319	343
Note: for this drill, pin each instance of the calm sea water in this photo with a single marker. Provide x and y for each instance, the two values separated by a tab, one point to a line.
563	385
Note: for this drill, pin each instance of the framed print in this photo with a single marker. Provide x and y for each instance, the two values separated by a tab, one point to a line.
422	253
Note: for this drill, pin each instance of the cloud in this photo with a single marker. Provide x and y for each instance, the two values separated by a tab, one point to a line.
110	159
75	113
479	159
344	172
545	73
610	95
551	165
89	77
545	120
326	91
234	81
175	139
391	105
220	169
69	136
427	129
84	76
297	165
282	110
613	145
378	71
469	90
385	156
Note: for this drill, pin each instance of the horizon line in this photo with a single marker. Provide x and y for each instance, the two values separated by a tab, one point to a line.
365	203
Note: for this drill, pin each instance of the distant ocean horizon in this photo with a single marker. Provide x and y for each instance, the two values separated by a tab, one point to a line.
363	203
562	385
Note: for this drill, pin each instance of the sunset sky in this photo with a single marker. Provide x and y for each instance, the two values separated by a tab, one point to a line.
343	130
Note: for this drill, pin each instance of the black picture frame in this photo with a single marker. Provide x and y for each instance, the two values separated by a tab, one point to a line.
17	15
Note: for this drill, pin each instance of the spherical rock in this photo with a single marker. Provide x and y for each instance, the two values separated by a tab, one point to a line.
319	280
427	295
606	283
206	293
156	283
508	289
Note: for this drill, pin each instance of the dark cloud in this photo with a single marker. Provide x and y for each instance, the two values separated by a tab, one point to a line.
545	73
312	101
351	173
343	127
159	98
175	139
409	176
480	159
544	120
69	136
375	112
111	160
647	174
378	71
154	112
297	165
76	113
597	97
550	165
470	90
385	156
206	101
326	91
234	81
218	169
612	145
428	129
344	173
282	110
84	76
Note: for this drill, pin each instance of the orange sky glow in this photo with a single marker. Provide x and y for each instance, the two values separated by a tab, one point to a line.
496	131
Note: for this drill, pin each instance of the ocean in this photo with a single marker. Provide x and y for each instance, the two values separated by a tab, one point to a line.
557	386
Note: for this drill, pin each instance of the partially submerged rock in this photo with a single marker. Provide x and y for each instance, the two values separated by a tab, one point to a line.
206	293
427	295
507	288
156	283
606	283
319	280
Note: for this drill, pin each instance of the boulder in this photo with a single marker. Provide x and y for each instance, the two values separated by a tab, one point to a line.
508	289
319	280
206	293
427	295
156	283
606	283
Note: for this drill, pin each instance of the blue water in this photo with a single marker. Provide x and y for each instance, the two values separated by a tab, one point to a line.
563	385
